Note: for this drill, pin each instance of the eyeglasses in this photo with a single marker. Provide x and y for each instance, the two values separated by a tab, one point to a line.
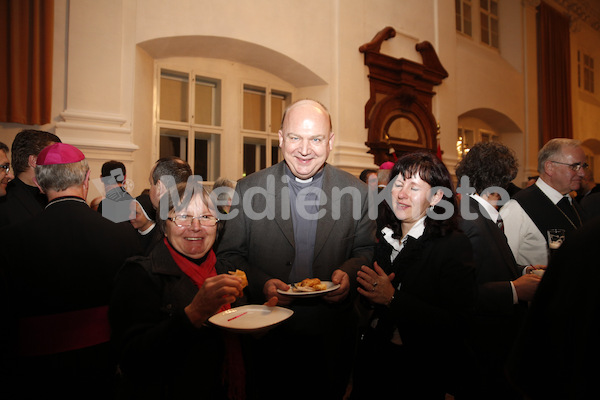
185	221
6	167
575	166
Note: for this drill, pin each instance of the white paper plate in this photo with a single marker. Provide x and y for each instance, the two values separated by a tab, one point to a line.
250	318
330	287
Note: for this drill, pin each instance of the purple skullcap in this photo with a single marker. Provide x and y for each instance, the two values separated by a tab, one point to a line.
387	165
59	153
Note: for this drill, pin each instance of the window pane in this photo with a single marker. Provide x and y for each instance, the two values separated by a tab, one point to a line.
274	152
173	142
279	102
483	4
207	160
254	155
494	32
207	101
494	7
174	96
484	29
467	19
469	138
201	158
263	157
254	108
458	15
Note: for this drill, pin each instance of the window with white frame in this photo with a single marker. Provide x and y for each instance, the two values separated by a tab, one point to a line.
488	11
262	112
488	136
189	119
463	16
585	72
464	142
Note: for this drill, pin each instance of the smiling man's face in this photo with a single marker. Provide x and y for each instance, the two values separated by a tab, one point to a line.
306	139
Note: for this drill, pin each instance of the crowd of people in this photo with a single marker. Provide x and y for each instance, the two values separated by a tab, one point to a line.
440	291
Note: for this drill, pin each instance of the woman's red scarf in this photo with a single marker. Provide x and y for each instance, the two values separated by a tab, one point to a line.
233	371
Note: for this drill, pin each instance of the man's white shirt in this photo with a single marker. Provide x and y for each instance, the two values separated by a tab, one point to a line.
526	241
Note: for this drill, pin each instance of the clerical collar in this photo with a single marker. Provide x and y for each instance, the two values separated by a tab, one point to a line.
66	198
303	180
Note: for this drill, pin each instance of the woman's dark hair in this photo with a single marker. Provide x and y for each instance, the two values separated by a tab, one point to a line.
488	164
429	168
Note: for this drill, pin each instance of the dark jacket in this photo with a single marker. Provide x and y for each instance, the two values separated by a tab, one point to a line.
430	310
60	263
497	319
20	203
161	354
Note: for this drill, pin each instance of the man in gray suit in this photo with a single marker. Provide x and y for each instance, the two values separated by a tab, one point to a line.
301	218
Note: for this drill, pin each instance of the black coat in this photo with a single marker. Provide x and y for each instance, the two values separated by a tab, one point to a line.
560	334
20	203
161	354
430	311
497	319
62	261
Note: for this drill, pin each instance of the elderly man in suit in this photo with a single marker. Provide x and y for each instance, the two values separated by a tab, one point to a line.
287	223
504	288
546	204
56	280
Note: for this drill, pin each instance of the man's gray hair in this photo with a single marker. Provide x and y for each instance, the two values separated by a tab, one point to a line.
59	177
552	148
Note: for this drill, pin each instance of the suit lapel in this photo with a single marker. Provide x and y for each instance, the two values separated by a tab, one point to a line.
495	233
282	199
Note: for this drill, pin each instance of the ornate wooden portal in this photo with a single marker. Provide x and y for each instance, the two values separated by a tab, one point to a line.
398	113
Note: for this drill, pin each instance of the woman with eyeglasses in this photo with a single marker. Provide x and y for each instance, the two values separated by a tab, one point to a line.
160	305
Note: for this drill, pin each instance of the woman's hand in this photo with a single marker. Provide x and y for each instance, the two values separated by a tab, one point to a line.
376	284
214	293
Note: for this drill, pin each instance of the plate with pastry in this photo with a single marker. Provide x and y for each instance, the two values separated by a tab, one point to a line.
250	318
309	287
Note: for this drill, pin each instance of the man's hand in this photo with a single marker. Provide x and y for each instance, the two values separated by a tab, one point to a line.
526	286
270	291
340	293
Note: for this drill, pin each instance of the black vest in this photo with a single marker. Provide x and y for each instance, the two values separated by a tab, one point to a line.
544	213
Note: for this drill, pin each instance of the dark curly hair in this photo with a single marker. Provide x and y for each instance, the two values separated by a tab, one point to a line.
488	164
429	168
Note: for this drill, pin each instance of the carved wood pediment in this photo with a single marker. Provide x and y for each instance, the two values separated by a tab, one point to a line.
398	113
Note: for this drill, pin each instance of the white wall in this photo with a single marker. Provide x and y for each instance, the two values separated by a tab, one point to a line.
105	51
